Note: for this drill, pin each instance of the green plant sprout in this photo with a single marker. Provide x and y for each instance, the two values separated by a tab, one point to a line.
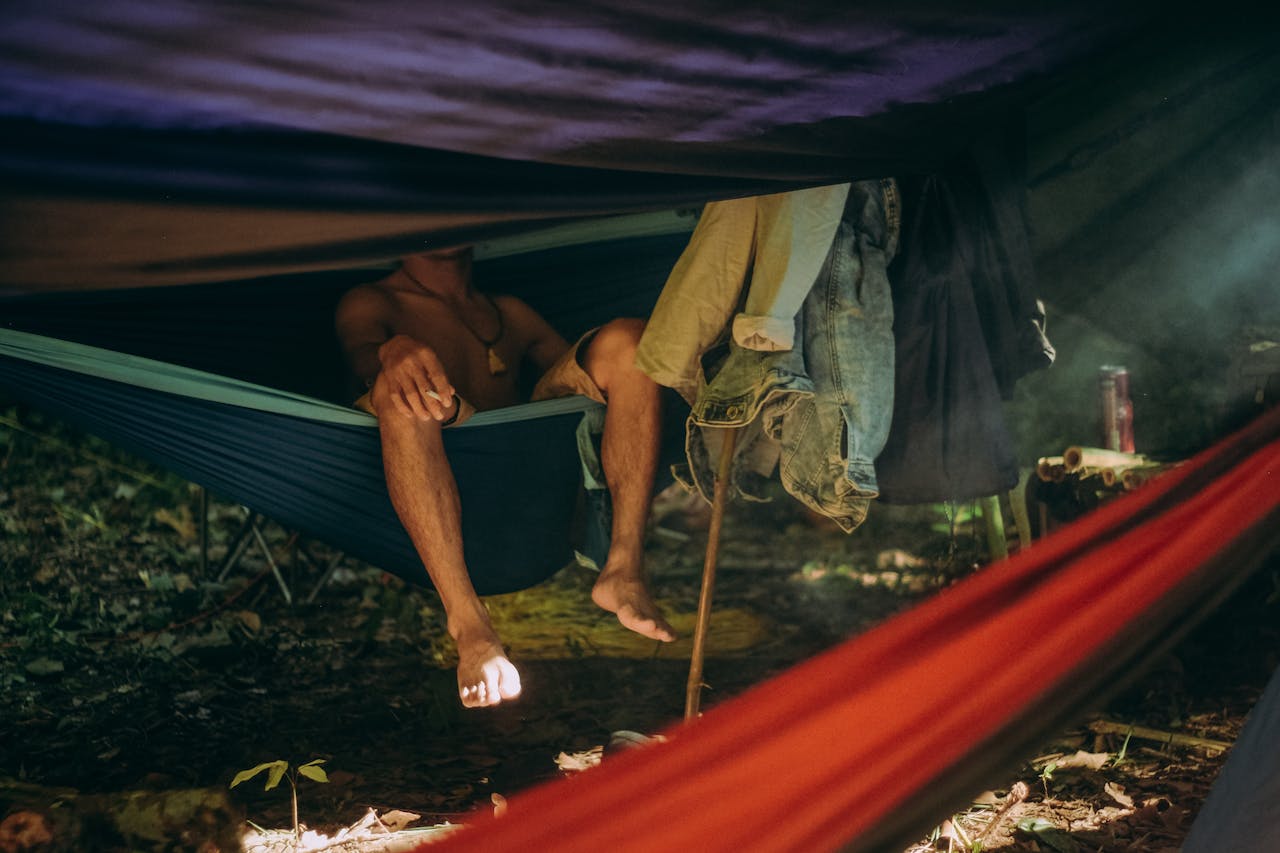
1046	773
1124	749
280	769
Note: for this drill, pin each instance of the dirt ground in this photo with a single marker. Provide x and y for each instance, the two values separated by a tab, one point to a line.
124	666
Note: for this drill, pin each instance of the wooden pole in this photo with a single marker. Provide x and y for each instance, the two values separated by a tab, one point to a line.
693	688
1108	727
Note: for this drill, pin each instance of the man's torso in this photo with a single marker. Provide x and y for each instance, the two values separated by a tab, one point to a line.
447	330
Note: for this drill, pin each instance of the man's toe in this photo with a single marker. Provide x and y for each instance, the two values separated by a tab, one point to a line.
489	690
509	686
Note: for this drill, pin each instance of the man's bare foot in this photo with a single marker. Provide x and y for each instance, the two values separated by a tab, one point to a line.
628	598
485	676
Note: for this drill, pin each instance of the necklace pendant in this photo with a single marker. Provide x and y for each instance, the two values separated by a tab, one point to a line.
497	366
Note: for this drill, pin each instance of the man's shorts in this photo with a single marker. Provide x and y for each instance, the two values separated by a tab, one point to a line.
565	378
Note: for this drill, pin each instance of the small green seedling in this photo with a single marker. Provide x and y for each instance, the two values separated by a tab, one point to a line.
1124	749
280	769
1046	773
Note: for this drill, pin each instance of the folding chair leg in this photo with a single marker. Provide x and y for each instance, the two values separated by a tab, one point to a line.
275	569
326	576
239	542
204	532
720	496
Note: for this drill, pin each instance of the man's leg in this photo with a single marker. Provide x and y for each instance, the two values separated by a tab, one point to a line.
425	496
629	455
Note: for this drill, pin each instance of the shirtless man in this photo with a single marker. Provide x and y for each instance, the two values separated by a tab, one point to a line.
429	346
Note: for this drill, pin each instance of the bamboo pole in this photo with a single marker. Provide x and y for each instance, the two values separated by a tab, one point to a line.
1078	457
1045	468
693	688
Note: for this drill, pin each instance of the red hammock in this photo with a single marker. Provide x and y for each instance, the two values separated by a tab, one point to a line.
869	744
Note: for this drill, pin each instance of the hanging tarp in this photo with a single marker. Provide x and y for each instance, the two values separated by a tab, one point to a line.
163	142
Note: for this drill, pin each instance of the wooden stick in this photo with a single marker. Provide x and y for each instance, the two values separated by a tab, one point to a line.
693	688
1106	727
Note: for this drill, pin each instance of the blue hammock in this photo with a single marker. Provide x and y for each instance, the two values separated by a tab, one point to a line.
316	467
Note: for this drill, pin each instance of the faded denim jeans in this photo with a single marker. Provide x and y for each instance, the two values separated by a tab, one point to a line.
821	411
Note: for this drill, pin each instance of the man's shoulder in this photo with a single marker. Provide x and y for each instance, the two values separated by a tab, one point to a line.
513	305
371	294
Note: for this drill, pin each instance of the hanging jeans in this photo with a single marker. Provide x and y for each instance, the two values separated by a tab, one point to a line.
821	411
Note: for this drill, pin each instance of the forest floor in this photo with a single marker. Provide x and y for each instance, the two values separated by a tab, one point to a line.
124	666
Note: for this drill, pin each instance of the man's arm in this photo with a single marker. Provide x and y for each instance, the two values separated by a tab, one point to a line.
545	343
417	380
362	327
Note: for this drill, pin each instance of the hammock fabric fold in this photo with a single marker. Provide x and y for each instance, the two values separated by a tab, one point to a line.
866	746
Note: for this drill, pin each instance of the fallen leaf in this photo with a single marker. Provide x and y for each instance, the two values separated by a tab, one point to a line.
396	820
573	762
181	522
250	620
1085	760
954	839
45	666
1116	792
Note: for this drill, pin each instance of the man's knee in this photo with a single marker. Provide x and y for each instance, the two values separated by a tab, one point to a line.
622	332
612	351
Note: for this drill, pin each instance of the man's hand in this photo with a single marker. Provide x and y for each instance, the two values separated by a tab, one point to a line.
416	378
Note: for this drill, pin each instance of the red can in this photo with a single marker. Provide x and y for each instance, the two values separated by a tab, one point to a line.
1116	408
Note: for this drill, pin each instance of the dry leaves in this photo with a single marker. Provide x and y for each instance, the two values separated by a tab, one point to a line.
576	762
1116	792
1084	760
